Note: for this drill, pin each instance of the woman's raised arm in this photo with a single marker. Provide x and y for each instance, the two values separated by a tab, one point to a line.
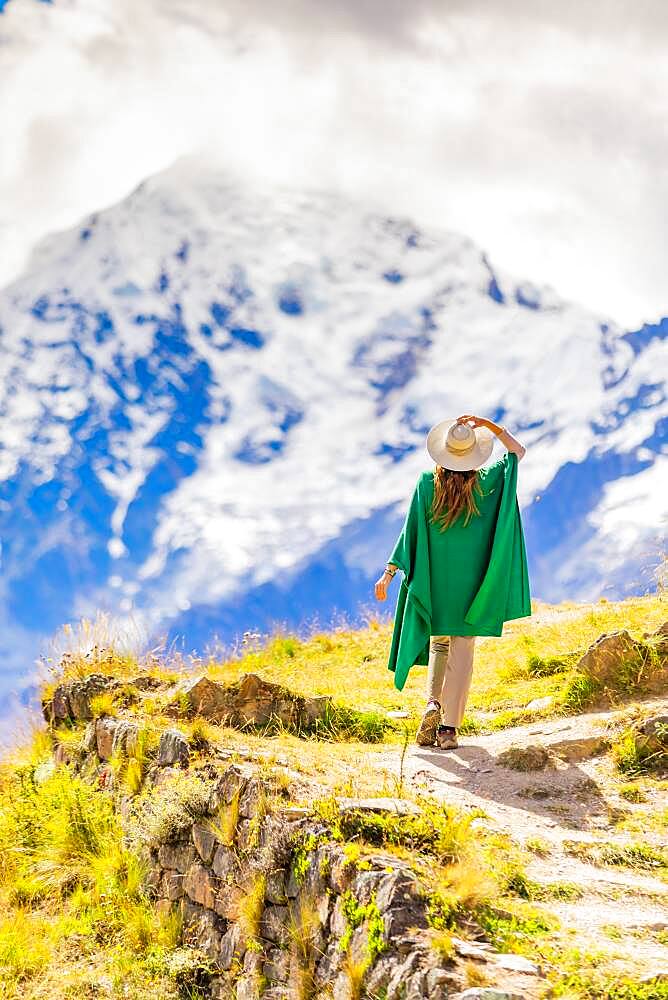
504	436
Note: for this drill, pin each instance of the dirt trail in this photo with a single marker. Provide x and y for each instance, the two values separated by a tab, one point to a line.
574	798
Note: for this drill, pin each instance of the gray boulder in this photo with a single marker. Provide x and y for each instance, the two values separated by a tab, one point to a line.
173	748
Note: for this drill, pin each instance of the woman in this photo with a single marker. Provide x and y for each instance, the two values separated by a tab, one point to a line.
463	559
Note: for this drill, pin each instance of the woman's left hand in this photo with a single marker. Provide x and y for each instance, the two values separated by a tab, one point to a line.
381	587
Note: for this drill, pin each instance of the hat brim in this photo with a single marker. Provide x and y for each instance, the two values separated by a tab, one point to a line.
473	459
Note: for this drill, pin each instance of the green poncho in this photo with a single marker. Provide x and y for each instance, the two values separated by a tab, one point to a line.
466	580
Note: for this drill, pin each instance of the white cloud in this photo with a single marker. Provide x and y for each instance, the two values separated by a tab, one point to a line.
539	135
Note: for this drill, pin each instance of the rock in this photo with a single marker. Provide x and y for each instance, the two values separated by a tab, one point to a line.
57	708
249	701
258	702
200	886
378	977
316	709
63	754
517	963
438	979
250	798
81	692
656	728
275	888
247	987
660	639
400	919
274	924
400	807
396	986
583	749
177	856
200	696
89	741
202	932
529	758
538	704
230	783
416	986
277	966
173	748
341	872
173	885
229	898
396	888
253	961
329	963
204	840
602	660
471	949
231	947
104	736
125	737
147	682
224	861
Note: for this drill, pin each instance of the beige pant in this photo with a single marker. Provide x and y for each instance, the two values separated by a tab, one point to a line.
449	674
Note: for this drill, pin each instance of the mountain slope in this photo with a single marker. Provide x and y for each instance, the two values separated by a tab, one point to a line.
214	407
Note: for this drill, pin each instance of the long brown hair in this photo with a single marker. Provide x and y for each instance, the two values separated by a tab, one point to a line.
453	493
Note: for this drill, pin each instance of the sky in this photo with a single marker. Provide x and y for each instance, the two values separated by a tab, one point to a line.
536	128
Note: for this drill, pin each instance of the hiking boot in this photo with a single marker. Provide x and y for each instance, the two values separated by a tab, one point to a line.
446	738
426	733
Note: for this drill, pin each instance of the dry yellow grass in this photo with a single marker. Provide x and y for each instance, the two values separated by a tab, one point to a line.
352	665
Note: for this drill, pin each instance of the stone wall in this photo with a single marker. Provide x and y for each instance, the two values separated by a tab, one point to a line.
266	890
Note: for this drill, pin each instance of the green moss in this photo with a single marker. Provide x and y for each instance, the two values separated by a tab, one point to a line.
355	914
302	852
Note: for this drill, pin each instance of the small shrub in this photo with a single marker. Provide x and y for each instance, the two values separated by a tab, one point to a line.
580	692
635	754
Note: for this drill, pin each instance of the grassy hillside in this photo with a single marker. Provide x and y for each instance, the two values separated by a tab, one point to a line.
74	917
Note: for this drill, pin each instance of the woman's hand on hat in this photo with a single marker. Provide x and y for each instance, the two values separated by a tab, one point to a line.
472	420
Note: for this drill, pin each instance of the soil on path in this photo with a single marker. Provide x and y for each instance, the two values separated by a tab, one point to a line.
569	807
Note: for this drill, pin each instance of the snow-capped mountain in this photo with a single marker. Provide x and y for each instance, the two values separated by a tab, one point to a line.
214	406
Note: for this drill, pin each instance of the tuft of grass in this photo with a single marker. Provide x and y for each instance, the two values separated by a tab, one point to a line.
547	666
103	704
636	855
131	764
224	824
252	907
538	846
442	944
304	933
633	793
166	813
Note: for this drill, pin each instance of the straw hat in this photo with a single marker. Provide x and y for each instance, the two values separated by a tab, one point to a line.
459	446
